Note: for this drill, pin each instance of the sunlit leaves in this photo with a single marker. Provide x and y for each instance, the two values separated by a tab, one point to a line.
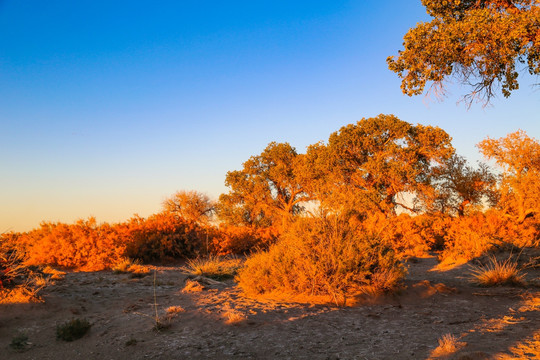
482	44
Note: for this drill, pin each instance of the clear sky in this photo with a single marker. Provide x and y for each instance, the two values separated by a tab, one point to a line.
108	107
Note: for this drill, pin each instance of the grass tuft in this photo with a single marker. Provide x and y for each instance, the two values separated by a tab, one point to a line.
498	273
448	345
72	330
134	267
214	267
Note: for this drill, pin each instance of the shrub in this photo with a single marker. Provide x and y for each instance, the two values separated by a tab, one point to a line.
321	257
73	329
163	237
84	245
408	235
497	273
230	239
472	236
19	342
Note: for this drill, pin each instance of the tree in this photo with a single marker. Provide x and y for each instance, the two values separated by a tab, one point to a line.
266	191
458	186
519	157
368	166
190	205
479	42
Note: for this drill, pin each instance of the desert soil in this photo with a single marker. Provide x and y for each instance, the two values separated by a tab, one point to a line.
218	322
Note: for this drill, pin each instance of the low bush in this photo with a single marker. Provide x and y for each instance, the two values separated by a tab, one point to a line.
163	237
73	329
474	235
230	239
84	245
322	257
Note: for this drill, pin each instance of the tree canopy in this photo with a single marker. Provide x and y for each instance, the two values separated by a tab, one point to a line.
482	43
190	205
458	186
519	156
367	166
266	190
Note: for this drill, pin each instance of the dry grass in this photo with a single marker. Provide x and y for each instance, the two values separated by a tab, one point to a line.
172	311
192	287
233	317
448	345
21	294
526	349
134	267
214	267
55	274
498	273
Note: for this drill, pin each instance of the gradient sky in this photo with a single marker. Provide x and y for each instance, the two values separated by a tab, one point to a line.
108	107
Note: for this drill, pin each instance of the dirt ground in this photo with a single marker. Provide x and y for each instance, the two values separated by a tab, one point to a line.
219	323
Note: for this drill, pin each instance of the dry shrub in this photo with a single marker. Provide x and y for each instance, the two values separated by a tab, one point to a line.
472	236
230	239
408	235
87	246
162	237
497	273
321	256
84	245
18	283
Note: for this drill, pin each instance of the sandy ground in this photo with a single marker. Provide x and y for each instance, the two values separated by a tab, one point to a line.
219	323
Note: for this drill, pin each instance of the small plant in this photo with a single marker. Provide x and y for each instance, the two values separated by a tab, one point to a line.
214	267
498	273
73	329
448	345
233	317
131	342
131	266
19	342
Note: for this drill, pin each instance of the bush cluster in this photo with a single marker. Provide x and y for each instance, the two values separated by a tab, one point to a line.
322	257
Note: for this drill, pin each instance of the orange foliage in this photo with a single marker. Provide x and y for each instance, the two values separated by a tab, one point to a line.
408	235
230	239
469	237
162	237
83	245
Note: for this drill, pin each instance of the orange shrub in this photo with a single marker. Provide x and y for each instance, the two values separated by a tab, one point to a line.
230	239
408	235
162	237
84	245
322	257
474	235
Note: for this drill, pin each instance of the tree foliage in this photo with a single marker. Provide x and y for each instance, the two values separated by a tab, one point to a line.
519	156
458	186
368	166
266	190
190	205
482	43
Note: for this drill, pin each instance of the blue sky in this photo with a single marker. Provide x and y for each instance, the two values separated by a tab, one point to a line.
108	107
